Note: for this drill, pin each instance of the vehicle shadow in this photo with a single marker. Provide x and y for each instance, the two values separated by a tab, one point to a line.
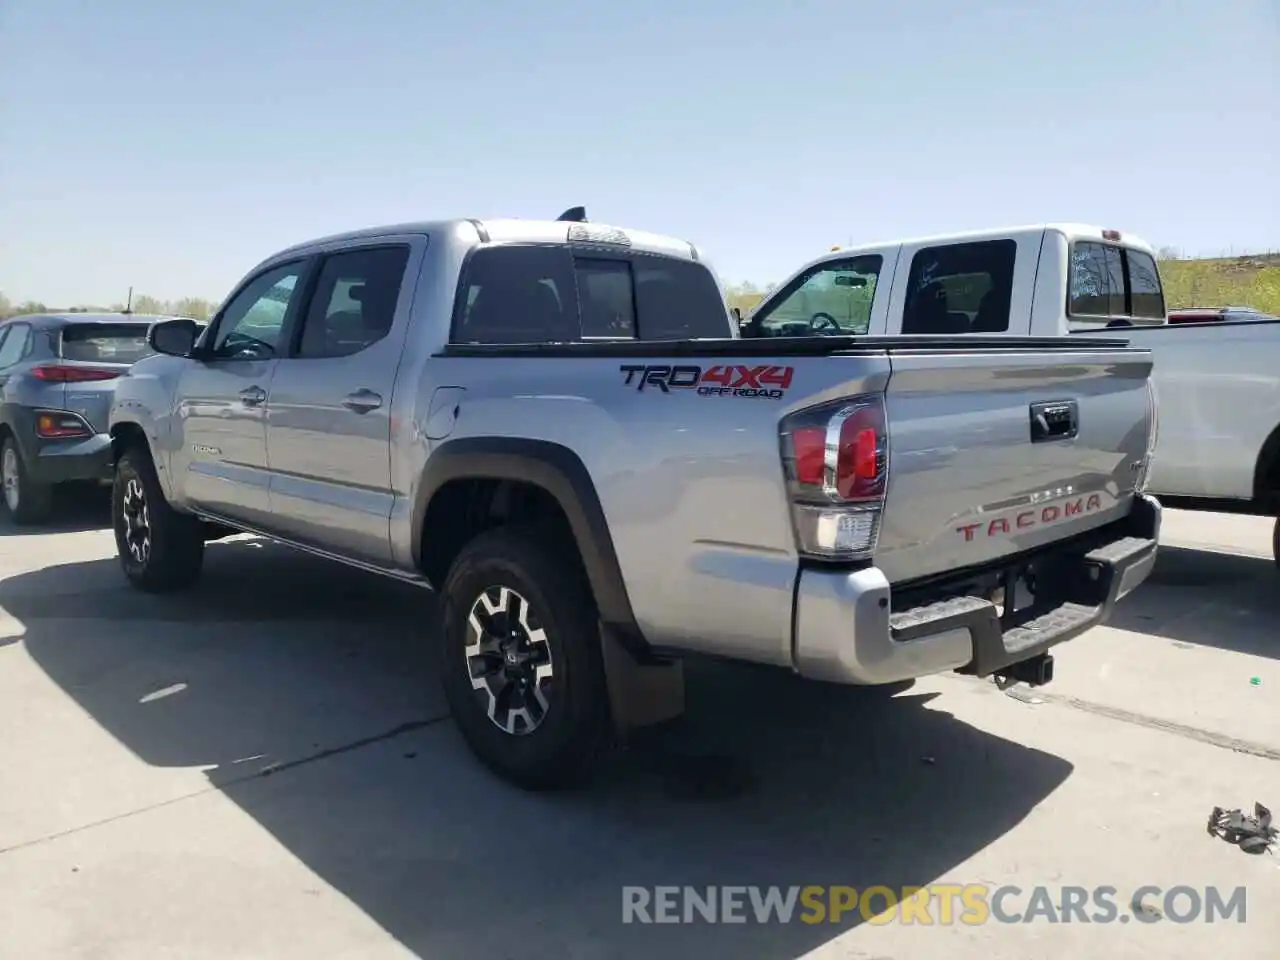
309	688
76	508
1203	597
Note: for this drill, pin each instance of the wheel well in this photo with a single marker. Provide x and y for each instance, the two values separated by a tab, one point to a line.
462	509
123	436
1266	475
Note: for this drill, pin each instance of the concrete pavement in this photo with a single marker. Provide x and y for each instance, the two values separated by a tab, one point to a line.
265	768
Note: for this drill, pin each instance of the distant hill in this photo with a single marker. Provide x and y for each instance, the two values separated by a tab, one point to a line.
1252	280
1247	281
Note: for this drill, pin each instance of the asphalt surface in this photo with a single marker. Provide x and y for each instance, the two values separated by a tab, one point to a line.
264	768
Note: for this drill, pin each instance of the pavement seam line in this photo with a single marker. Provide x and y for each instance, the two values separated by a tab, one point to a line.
266	771
1220	740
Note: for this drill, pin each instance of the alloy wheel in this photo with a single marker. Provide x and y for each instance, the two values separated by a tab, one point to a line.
9	473
137	521
509	661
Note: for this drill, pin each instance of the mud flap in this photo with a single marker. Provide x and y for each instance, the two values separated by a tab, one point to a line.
640	694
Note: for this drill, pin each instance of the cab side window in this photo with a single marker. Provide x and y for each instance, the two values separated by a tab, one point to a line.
960	288
354	303
833	297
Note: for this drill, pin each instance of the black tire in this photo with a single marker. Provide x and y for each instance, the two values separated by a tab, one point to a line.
174	551
34	500
575	730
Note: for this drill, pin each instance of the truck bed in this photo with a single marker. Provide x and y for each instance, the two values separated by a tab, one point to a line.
690	479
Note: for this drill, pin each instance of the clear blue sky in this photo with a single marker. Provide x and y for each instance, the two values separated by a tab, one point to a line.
169	144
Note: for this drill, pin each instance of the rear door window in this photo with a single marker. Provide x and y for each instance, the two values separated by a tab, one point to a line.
517	294
960	288
1111	281
354	304
105	342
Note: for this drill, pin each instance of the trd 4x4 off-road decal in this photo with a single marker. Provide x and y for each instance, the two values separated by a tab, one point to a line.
767	380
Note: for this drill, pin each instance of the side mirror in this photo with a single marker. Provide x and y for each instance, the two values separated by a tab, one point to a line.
176	338
737	315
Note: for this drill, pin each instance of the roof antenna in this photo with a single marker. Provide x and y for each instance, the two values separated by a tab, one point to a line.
574	215
128	307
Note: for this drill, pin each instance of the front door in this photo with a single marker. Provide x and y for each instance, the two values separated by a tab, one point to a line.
221	463
329	422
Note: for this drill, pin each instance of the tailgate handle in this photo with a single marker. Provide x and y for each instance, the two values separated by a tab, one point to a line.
1054	420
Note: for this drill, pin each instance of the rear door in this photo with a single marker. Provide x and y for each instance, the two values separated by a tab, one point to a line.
329	425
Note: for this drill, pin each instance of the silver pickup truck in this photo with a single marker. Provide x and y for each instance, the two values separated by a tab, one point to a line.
554	426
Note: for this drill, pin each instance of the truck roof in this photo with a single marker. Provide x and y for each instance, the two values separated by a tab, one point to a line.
509	230
1072	231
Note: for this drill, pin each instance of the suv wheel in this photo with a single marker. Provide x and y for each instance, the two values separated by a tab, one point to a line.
521	661
26	500
160	549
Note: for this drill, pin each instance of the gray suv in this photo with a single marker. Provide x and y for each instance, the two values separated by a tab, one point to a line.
57	376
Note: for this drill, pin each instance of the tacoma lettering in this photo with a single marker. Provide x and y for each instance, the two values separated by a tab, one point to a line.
1028	519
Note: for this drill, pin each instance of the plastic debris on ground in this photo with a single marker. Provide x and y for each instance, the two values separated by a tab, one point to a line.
1252	834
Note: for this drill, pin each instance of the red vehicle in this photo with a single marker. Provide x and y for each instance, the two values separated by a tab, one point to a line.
1216	314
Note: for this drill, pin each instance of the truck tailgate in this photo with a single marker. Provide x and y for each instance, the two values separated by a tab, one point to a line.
997	452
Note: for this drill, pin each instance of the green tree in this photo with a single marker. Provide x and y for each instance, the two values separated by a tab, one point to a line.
145	304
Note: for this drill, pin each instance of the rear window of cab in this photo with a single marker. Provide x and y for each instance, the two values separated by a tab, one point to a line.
1112	281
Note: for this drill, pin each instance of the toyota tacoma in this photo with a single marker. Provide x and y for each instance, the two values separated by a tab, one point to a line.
555	427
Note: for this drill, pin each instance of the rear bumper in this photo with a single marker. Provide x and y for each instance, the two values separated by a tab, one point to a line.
61	461
847	631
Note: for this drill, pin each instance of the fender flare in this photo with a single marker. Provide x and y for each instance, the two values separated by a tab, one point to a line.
561	473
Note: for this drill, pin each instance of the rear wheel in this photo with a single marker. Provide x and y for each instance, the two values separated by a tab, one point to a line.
27	501
521	660
160	549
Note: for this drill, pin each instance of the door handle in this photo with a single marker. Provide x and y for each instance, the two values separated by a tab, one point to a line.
252	396
362	401
1055	420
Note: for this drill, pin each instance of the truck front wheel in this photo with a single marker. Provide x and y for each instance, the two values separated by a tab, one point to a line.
160	549
521	659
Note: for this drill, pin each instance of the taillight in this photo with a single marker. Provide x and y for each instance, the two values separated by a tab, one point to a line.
56	425
62	373
835	457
